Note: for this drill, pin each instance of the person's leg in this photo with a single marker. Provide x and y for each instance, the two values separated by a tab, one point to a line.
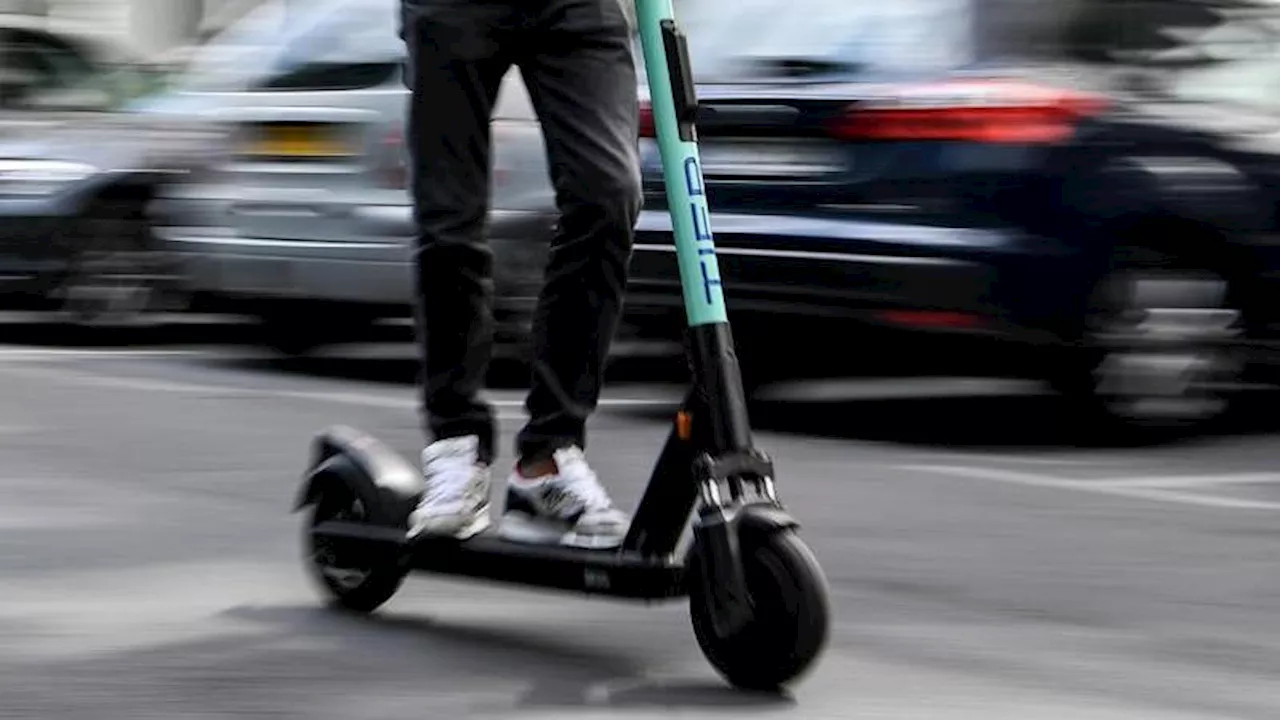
576	59
456	64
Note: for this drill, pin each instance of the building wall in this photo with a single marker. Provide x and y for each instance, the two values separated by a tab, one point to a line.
105	17
149	27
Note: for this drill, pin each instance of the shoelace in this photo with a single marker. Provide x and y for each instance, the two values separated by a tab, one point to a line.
582	482
450	477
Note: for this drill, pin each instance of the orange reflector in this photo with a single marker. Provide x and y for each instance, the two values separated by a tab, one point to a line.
684	425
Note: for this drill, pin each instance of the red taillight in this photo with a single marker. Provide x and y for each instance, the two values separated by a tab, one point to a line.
394	171
647	127
973	112
937	319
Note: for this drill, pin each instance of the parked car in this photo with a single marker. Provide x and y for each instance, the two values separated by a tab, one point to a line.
74	234
902	167
306	223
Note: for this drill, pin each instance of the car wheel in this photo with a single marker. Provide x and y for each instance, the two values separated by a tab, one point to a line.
1157	349
115	276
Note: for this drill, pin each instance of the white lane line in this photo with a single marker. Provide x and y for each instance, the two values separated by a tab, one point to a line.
896	389
12	353
1030	460
1096	487
407	401
1193	481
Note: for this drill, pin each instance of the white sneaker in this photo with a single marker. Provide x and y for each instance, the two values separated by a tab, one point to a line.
456	501
569	507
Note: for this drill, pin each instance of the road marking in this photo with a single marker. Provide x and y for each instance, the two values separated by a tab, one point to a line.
1099	487
1030	460
897	389
1192	481
407	401
12	353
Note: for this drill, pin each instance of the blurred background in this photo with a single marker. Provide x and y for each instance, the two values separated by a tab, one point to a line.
1004	277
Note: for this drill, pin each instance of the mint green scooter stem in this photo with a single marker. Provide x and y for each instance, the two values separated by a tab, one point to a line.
673	102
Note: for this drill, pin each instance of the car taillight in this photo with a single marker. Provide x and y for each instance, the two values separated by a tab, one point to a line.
647	127
393	172
989	112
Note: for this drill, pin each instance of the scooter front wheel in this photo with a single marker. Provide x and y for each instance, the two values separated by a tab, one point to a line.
360	584
790	614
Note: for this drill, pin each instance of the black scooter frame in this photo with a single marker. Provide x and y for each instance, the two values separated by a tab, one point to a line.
707	449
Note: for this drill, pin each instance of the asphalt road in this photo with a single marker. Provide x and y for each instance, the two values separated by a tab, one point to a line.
980	568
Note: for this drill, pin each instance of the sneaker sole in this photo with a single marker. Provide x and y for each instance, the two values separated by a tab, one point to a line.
520	528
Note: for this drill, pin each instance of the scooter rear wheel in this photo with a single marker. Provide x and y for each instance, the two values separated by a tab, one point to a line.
790	607
358	584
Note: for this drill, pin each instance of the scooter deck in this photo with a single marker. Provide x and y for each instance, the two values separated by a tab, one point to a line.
612	572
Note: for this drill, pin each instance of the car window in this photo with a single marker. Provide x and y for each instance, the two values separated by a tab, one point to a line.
1255	83
906	36
233	56
323	44
875	37
1252	82
1147	32
249	48
1222	52
38	71
347	31
69	61
15	73
355	45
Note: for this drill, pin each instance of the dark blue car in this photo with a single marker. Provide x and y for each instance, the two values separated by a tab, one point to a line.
987	176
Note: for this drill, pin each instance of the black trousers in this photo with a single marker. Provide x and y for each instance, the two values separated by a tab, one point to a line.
576	60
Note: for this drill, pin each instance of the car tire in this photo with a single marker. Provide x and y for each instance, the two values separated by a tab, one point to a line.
116	277
1157	349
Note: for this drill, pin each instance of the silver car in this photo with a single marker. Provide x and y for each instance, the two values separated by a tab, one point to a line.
306	221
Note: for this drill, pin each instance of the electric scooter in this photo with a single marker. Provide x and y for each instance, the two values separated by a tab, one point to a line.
757	596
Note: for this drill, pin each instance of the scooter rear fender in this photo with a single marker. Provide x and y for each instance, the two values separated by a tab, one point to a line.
345	459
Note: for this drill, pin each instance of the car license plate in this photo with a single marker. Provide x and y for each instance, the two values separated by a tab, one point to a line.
766	160
297	141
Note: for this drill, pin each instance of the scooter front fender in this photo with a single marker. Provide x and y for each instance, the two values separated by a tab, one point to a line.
765	518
